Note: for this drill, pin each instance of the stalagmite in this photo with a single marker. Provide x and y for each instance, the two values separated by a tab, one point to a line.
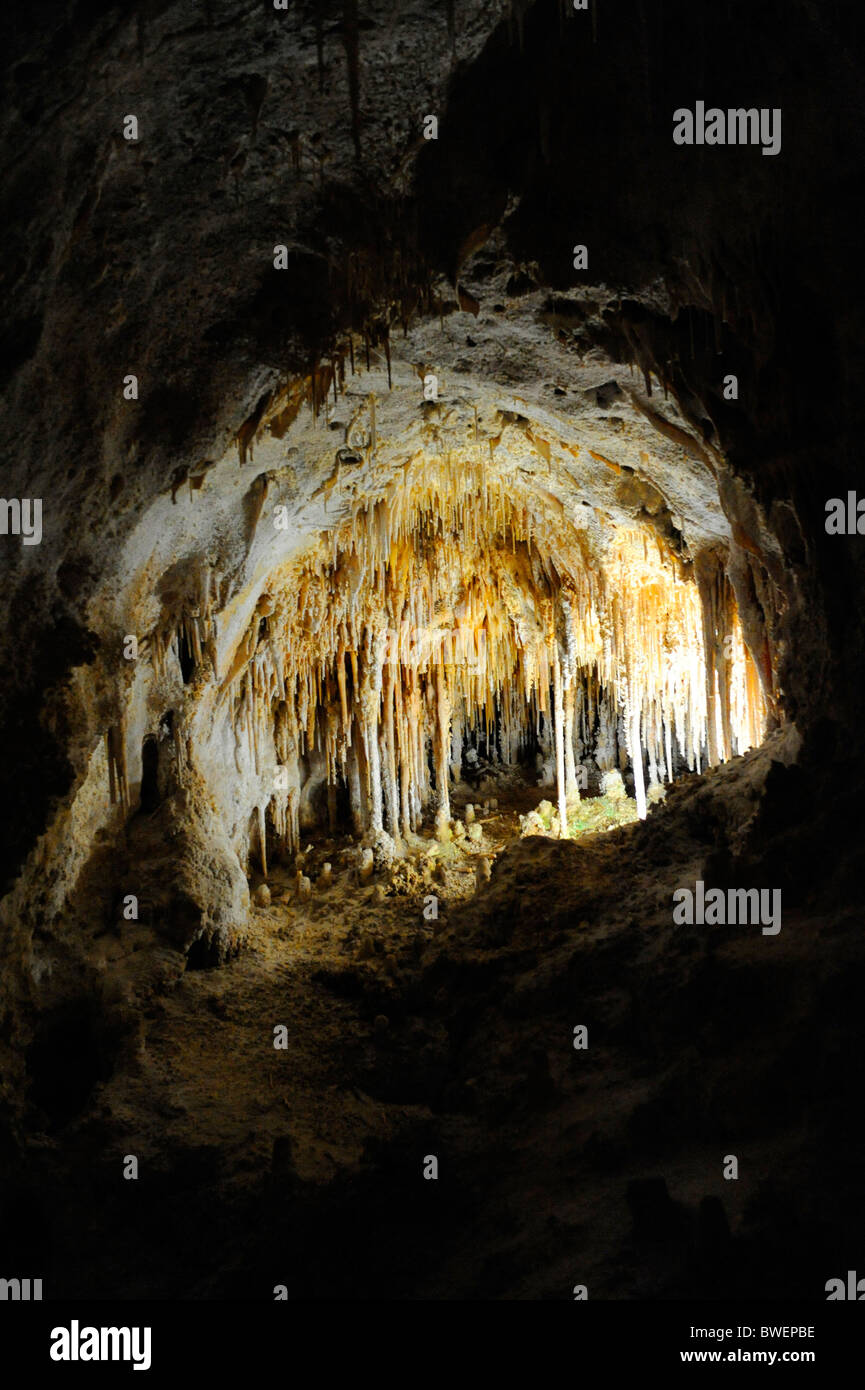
390	778
569	675
483	872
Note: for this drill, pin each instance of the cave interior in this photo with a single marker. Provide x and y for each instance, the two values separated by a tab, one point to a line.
433	578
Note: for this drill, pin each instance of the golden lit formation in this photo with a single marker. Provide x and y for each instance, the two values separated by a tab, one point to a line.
460	602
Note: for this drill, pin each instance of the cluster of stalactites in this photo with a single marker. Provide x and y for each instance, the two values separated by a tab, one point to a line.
187	631
443	612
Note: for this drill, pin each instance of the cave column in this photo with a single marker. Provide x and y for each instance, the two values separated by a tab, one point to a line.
442	743
422	706
632	732
569	683
559	736
405	753
370	704
354	778
390	679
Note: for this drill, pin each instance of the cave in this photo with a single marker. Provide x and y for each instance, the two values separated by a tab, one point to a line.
433	670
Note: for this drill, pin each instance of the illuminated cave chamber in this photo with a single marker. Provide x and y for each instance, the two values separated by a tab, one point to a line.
463	611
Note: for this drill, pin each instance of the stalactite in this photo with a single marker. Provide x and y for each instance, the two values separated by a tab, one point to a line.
442	742
118	780
569	677
559	736
461	607
355	792
636	755
262	840
572	790
370	704
391	793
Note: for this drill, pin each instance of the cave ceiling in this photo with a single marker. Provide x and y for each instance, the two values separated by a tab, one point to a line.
598	389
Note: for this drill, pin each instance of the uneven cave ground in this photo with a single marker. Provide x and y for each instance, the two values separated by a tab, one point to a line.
454	1037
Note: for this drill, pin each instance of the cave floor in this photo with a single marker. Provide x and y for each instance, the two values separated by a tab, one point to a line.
405	1037
209	1053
